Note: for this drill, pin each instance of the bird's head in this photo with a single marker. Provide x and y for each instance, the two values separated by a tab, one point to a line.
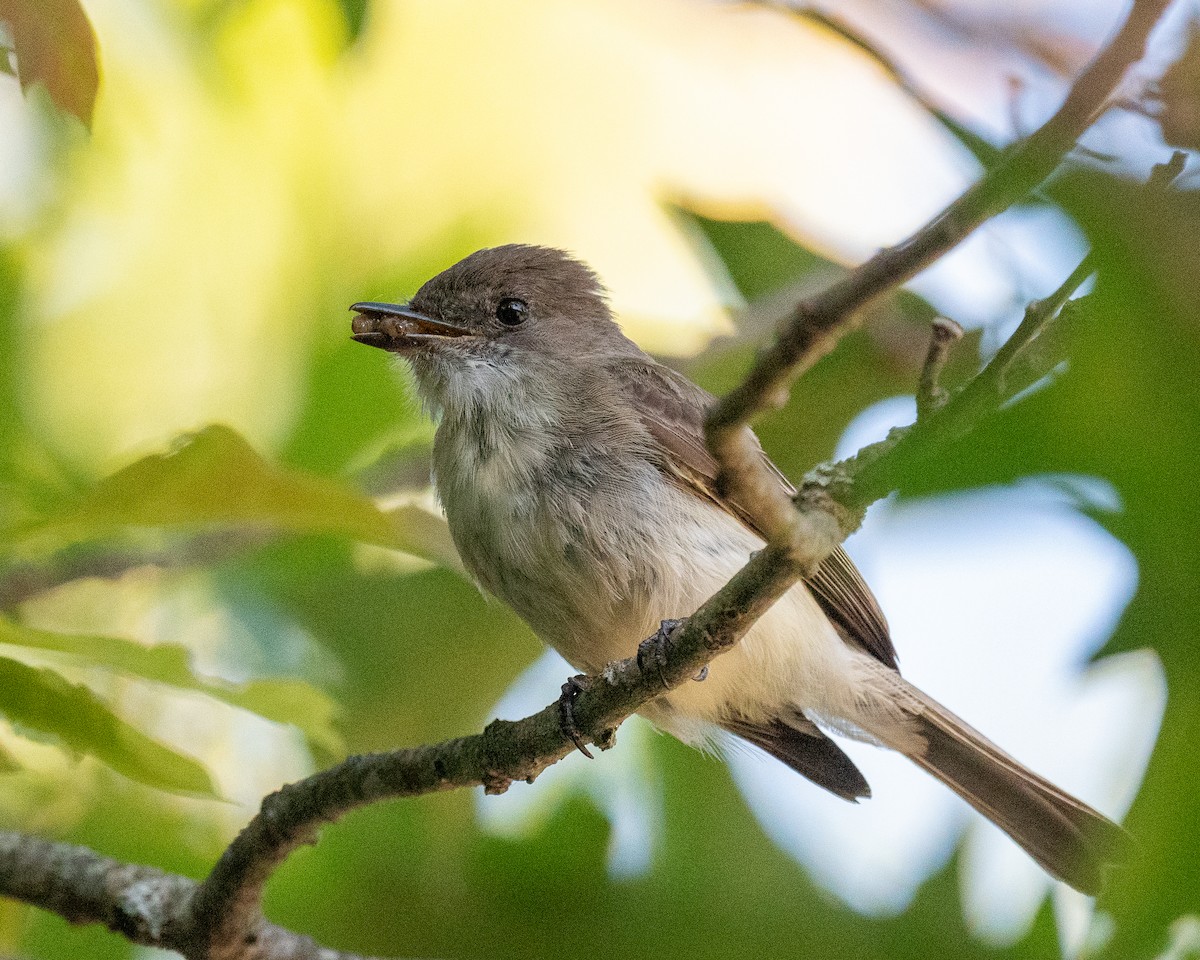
499	305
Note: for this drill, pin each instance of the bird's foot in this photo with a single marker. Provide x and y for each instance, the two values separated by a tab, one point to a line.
566	712
654	651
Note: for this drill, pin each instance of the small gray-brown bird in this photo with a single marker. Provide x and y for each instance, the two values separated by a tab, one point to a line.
578	489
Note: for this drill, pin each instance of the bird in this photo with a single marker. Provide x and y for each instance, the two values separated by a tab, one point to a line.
578	489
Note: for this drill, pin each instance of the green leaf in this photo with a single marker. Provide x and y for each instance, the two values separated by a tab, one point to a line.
55	47
297	703
288	701
215	477
759	257
41	700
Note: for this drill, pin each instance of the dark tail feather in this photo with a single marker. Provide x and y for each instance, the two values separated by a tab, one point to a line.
806	750
1067	837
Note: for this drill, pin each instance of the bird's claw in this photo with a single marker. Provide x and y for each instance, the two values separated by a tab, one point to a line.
654	651
566	712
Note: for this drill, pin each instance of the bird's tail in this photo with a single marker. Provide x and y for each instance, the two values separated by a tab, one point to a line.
1067	837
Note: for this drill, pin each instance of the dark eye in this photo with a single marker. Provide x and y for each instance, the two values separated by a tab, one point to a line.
512	312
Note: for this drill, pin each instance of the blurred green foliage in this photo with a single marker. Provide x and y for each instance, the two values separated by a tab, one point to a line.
42	700
393	652
1129	410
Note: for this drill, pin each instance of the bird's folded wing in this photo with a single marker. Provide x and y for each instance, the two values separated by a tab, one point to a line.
671	408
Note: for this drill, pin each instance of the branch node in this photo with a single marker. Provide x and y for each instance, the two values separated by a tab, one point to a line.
606	739
825	492
820	523
942	337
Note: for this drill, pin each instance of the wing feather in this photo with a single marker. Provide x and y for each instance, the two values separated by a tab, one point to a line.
671	408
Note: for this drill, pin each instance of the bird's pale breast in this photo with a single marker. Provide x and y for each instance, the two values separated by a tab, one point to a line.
593	561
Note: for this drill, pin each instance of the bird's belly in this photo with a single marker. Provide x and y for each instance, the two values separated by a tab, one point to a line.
595	576
591	574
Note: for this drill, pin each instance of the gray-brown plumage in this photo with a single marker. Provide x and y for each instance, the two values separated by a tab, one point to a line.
1068	838
579	490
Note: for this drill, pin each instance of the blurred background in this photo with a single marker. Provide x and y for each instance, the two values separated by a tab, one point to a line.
222	566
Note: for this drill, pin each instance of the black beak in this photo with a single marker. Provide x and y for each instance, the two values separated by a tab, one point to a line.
395	327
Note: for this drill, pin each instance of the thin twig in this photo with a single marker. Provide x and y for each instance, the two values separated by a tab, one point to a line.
1047	351
1037	314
